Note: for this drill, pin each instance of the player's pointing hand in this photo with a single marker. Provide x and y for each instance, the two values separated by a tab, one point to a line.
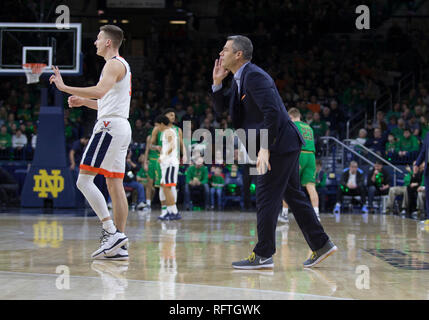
57	79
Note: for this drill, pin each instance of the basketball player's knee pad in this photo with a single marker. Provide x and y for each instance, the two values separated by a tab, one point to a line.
161	194
84	182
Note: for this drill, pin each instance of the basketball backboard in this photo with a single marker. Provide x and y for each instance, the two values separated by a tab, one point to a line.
22	43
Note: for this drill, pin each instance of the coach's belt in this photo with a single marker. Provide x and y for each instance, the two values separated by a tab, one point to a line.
305	151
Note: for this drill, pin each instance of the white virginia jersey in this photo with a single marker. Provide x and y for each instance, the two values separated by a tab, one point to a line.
116	102
171	158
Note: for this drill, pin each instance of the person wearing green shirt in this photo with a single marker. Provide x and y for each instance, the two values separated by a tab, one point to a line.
320	128
398	131
197	178
307	163
216	188
151	164
5	139
391	147
407	143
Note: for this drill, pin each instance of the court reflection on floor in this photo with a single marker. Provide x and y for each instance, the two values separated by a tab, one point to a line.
191	259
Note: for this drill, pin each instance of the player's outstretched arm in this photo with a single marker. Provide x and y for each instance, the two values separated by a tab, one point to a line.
113	71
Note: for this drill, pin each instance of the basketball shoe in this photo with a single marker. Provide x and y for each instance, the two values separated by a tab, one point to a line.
254	262
321	254
109	243
120	254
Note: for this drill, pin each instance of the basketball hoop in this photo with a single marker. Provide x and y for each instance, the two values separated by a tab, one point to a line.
33	71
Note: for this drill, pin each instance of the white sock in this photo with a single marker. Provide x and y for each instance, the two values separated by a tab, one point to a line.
109	226
316	209
172	209
285	211
148	202
164	210
85	184
161	195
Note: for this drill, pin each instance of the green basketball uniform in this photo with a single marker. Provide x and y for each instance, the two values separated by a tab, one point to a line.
154	168
307	158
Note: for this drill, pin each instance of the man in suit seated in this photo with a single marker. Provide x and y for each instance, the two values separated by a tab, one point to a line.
352	184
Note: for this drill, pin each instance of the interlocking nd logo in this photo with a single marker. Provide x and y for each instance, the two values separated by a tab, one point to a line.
44	183
48	234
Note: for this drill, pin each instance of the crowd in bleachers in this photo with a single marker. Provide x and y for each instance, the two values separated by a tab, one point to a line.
328	84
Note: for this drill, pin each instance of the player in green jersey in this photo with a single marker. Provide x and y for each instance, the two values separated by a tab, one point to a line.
151	164
307	163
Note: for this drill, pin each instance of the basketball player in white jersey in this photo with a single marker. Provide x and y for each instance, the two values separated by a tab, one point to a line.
107	149
169	161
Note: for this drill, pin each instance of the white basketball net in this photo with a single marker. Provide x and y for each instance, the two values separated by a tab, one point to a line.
33	71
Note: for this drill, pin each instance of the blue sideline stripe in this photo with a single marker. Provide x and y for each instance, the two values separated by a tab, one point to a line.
91	149
103	150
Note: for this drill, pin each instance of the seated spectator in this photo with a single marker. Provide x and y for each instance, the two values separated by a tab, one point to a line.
408	145
19	141
395	113
5	142
378	183
391	148
393	123
320	128
197	178
361	139
143	178
234	183
330	122
313	105
377	143
379	121
421	198
216	188
412	190
321	185
398	132
424	127
140	132
351	184
399	191
130	180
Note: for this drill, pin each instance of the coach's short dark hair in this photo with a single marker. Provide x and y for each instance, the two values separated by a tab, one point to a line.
162	119
114	33
244	44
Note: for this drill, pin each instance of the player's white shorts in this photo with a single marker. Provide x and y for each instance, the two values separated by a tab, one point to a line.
106	151
169	174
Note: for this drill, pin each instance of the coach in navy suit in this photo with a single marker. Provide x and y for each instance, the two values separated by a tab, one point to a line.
254	103
424	156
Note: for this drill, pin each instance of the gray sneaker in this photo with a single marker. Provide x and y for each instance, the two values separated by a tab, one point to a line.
254	262
321	254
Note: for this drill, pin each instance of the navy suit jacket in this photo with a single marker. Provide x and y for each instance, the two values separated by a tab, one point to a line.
424	153
259	106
